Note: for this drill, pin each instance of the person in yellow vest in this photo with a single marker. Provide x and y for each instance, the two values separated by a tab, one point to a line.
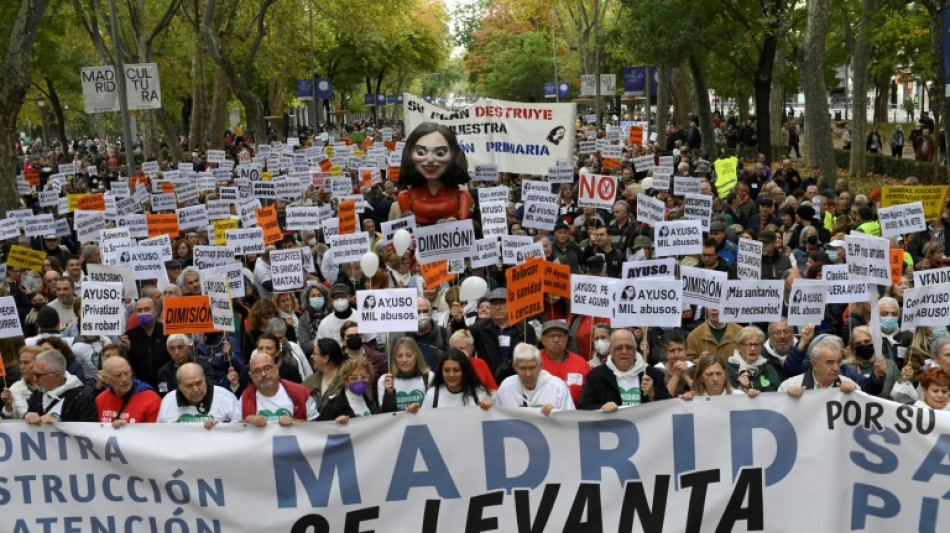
862	219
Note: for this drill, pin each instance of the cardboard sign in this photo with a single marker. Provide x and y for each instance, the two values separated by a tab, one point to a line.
303	218
652	268
162	224
658	303
702	287
102	310
557	279
897	265
698	207
806	302
206	257
661	179
683	185
561	174
926	306
485	173
146	262
136	224
934	276
902	219
221	228
595	191
494	217
287	270
635	135
386	310
643	163
215	285
234	272
749	259
868	258
192	217
347	217
219	209
267	220
92	202
121	274
187	314
164	202
592	295
511	248
540	215
445	241
752	301
650	210
88	224
841	289
38	226
390	227
348	248
680	237
9	319
9	229
162	243
486	253
23	257
525	293
436	273
932	197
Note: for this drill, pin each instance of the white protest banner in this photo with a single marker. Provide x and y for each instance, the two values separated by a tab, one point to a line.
806	302
654	304
752	301
235	275
540	215
146	262
192	217
650	210
868	258
142	87
702	287
592	295
62	227
99	91
302	218
348	248
102	310
698	207
219	210
494	218
661	179
164	202
841	290
9	318
511	245
127	206
902	219
9	229
444	241
643	163
49	198
534	191
245	241
38	226
330	228
122	274
680	237
931	276
652	268
390	227
596	191
206	257
486	253
215	285
485	173
749	259
162	242
263	190
287	270
136	224
926	306
683	185
88	224
519	137
387	310
561	174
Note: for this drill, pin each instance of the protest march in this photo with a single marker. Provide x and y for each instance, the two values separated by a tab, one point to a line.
558	320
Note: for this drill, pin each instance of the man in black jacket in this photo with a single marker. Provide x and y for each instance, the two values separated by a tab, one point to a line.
495	339
59	396
624	380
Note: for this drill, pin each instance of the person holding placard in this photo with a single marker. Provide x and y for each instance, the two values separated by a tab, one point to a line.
935	386
495	338
195	401
16	397
825	354
433	166
269	399
405	389
59	396
861	357
677	369
712	336
127	400
558	361
354	346
325	382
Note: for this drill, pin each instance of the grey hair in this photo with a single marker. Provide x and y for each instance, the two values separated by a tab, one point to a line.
824	341
178	337
188	271
888	299
276	325
55	361
749	331
525	352
939	343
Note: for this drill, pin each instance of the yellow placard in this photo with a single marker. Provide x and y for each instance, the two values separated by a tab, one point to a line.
23	257
335	170
932	196
221	226
329	151
72	200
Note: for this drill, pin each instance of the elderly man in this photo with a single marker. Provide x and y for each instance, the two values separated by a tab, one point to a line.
533	386
561	363
16	397
59	396
145	343
496	338
190	282
126	400
712	336
63	304
624	380
179	349
270	399
781	344
196	401
825	355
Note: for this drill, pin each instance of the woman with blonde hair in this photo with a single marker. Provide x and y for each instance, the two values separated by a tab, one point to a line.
712	380
404	388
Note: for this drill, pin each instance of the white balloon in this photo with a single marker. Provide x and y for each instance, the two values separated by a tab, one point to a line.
401	241
370	264
472	288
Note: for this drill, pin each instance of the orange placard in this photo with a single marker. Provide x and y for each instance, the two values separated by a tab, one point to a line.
162	224
187	314
347	217
525	290
3	369
393	174
138	180
267	220
367	177
367	143
390	145
557	279
897	265
436	273
33	178
92	202
636	136
168	187
325	165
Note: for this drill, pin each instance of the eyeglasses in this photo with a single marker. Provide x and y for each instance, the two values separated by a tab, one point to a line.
555	335
41	374
624	348
751	344
266	369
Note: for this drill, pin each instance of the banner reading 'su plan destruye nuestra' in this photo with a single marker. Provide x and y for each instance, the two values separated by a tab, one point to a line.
827	462
516	136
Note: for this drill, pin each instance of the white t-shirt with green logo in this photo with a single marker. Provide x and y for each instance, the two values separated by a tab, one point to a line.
408	390
276	406
630	391
225	407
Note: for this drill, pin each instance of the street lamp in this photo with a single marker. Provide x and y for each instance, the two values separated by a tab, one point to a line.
41	104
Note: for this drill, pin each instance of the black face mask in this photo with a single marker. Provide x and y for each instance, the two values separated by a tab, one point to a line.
354	343
38	305
864	351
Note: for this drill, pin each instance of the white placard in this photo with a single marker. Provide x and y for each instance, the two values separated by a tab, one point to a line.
749	259
661	180
9	228
235	275
136	224
302	218
934	276
146	262
652	268
841	289
444	241
596	191
263	190
489	195
485	173
245	241
127	206
752	301
347	248
654	304
540	215
511	245
62	227
88	224
643	163
698	207
102	310
338	186
9	318
680	237
164	202
868	258
650	210
926	306
806	302
49	198
494	218
38	226
287	270
561	174
192	217
206	257
702	287
162	242
592	295
902	219
219	209
123	274
390	227
215	285
486	253
683	185
99	91
386	310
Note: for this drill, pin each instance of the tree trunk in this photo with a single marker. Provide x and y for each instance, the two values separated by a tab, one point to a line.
742	103
883	102
819	148
681	101
698	73
860	60
170	132
762	82
199	96
777	97
219	112
662	103
14	83
938	103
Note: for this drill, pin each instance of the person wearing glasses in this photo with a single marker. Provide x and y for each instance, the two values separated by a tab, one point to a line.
624	380
356	399
747	367
558	361
269	399
59	396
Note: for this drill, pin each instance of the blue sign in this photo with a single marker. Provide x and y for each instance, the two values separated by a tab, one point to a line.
380	99
550	89
633	80
324	89
427	99
563	89
305	89
399	99
369	99
390	99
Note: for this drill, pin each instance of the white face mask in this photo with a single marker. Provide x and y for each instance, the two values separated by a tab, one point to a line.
423	320
341	304
602	346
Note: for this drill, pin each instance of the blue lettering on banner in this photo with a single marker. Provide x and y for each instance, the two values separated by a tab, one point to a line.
417	441
616	459
786	442
494	435
290	463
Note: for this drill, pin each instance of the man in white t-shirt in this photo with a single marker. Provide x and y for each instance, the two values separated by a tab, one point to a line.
195	401
270	399
532	386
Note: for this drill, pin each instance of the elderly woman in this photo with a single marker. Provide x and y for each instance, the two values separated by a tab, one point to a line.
904	390
747	367
313	307
357	399
712	380
288	311
861	357
405	389
326	382
456	384
935	385
531	386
